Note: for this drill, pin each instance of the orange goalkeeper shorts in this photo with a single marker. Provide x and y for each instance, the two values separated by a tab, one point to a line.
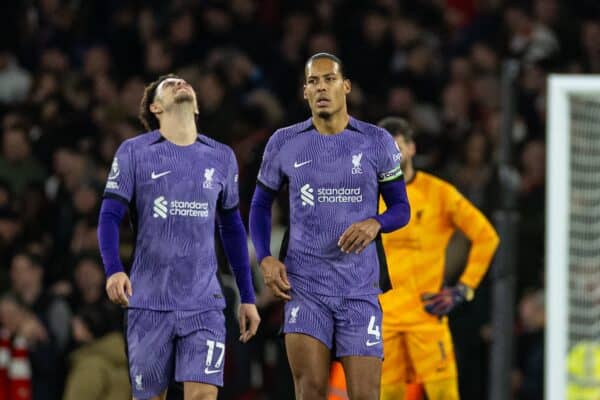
418	356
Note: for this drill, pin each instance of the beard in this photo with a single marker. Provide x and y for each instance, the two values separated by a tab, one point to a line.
183	97
324	114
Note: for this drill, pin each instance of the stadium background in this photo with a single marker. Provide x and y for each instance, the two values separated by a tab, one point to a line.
71	79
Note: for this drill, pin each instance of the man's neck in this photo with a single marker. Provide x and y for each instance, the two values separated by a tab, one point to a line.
178	125
336	123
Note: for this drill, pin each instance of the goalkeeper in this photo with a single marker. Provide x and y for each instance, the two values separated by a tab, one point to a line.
417	342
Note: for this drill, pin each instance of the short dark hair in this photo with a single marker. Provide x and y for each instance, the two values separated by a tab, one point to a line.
397	126
329	56
147	117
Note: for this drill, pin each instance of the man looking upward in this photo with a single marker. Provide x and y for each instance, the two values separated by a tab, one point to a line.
177	184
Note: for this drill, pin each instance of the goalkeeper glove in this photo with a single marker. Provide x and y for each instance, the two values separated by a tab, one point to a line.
447	299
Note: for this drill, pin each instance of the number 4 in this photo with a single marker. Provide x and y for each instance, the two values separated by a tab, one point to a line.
211	349
373	328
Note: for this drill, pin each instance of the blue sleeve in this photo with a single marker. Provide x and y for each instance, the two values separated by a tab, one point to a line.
235	244
260	221
111	214
397	213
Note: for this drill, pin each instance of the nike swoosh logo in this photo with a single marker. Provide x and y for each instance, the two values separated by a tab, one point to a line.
155	175
211	371
298	165
369	343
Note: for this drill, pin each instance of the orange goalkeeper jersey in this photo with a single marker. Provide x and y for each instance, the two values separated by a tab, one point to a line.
416	253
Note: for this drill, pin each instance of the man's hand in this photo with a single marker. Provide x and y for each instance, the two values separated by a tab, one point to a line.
446	300
118	288
358	236
275	276
249	320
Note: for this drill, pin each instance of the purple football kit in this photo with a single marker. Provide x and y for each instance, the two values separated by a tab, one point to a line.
333	182
175	324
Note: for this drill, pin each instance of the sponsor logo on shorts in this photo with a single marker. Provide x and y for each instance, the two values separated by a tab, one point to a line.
373	330
209	371
215	353
294	315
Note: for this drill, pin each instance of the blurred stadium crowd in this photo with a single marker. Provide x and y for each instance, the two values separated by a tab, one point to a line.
72	75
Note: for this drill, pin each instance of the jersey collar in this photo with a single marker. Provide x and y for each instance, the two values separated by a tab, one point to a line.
353	125
158	138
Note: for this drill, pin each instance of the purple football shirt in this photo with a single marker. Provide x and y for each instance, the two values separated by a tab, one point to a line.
173	193
333	182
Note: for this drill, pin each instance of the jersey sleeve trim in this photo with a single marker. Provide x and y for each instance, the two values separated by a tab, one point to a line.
110	195
391	175
266	187
397	178
228	210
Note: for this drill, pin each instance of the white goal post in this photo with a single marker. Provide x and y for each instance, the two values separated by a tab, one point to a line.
572	234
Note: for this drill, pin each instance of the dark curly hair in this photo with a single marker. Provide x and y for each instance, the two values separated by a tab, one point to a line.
147	117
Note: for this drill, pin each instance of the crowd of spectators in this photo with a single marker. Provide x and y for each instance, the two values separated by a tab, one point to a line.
72	75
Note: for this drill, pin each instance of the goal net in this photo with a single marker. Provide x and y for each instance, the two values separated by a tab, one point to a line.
573	239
